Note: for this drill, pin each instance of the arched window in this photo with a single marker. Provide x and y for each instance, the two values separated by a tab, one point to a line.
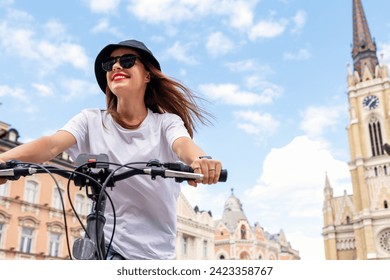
243	232
57	198
205	246
79	203
26	239
54	244
185	245
385	204
374	128
222	257
2	230
348	220
31	191
4	189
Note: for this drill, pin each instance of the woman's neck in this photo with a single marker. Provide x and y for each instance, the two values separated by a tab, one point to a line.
131	114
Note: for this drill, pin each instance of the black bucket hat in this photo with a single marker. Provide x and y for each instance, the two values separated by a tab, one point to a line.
144	52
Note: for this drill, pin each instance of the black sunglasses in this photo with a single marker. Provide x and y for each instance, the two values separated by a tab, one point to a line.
125	61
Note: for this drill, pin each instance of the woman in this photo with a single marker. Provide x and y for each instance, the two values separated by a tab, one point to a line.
148	116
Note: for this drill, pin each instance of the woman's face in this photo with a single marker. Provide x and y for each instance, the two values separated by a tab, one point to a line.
124	81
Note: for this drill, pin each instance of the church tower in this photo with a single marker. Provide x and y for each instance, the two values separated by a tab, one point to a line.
357	226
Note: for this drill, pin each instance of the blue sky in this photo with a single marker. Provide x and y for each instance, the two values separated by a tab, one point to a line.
273	73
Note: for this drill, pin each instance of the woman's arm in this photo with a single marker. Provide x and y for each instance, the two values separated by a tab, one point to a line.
189	153
41	150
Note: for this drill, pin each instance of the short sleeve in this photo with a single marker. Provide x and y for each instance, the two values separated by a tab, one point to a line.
78	127
175	129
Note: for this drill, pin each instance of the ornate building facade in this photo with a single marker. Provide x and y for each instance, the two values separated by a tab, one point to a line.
357	226
236	239
32	221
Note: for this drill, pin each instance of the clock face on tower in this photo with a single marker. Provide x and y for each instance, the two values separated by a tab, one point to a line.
371	102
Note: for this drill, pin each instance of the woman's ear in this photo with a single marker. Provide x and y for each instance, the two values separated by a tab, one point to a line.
147	77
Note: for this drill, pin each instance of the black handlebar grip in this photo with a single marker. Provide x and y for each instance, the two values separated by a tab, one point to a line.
178	166
223	176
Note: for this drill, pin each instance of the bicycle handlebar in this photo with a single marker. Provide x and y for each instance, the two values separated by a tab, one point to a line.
94	171
97	168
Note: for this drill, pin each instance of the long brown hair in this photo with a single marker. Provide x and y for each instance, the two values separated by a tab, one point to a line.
165	95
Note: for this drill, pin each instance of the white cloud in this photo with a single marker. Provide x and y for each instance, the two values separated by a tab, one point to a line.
55	29
4	3
17	93
17	41
104	26
103	6
63	53
233	95
237	14
317	119
167	11
309	247
218	44
79	89
302	54
267	29
299	20
242	66
303	163
43	90
240	13
255	123
289	192
18	36
181	52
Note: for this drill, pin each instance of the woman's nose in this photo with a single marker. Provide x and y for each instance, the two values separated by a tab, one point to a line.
116	65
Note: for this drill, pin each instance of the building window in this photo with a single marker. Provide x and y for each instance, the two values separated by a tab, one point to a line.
31	191
1	234
384	240
348	220
185	245
26	240
374	128
89	205
385	205
57	198
54	244
205	248
79	203
4	189
243	232
222	257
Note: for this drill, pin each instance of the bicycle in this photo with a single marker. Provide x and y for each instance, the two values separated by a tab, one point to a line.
93	173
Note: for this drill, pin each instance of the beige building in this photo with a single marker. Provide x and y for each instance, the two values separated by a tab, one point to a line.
236	239
31	214
32	221
357	226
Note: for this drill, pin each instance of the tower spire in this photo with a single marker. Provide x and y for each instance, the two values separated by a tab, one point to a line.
364	47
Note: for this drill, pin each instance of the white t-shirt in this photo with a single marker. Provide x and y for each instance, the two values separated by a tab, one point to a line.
145	209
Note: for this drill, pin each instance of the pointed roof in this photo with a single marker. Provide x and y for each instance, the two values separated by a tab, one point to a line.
364	47
233	212
328	190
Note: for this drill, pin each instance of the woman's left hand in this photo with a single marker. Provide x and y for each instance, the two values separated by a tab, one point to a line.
210	168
